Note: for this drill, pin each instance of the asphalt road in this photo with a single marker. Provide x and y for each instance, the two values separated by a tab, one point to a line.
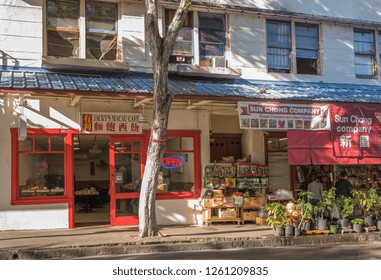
363	251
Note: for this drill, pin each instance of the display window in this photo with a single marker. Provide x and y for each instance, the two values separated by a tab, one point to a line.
180	174
40	169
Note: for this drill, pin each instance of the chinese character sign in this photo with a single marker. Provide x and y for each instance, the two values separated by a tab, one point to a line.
355	131
257	115
111	123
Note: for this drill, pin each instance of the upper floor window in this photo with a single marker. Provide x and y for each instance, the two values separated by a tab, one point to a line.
183	48
209	49
307	48
280	45
212	35
66	37
63	28
365	54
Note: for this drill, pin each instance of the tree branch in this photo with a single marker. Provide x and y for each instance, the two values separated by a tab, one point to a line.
152	28
175	26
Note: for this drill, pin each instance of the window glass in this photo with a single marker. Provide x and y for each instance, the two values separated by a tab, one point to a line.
101	30
183	48
212	35
187	143
42	174
278	46
128	173
173	143
127	145
137	146
57	143
63	28
177	175
41	143
364	53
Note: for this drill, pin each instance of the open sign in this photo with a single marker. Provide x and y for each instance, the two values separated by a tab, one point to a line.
172	161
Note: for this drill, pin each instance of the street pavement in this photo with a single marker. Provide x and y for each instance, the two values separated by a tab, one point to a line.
107	240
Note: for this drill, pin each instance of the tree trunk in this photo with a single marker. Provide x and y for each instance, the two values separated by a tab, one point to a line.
156	149
161	49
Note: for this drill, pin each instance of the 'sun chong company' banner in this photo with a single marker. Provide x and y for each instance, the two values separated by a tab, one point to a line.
356	131
258	115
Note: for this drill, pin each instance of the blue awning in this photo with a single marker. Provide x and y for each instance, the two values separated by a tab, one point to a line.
202	88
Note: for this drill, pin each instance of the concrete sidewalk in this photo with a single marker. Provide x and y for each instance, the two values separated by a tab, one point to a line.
107	240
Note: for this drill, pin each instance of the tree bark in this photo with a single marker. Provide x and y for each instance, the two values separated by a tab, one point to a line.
161	49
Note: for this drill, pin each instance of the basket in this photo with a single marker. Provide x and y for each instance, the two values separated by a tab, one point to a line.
207	202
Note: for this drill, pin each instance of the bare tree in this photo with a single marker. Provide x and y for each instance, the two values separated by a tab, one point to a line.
161	49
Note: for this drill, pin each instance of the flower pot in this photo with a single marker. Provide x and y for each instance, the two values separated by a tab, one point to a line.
333	229
322	224
379	225
306	226
279	231
298	231
357	228
289	231
344	222
368	221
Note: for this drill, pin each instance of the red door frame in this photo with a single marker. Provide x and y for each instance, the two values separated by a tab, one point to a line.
124	220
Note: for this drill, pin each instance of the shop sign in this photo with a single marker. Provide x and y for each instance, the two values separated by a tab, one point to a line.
267	116
172	162
356	131
110	123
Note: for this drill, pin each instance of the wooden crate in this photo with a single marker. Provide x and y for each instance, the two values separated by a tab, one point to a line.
207	202
249	216
262	201
224	214
261	221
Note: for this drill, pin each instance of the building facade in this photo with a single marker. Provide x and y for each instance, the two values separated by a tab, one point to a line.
76	83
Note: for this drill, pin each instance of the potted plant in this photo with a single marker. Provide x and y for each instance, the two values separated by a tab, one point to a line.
326	203
346	206
357	224
276	217
377	212
305	208
366	200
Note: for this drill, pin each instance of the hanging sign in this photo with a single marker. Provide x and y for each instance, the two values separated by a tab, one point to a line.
267	116
356	131
172	162
110	123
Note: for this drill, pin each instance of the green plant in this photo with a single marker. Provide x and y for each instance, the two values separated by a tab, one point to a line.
276	214
365	199
306	208
326	202
357	221
346	205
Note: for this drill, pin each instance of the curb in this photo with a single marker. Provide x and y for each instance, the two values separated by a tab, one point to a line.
164	245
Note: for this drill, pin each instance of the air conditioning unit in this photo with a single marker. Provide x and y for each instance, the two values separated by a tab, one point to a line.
219	62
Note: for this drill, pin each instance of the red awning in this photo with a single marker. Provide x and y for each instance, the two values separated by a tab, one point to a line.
307	147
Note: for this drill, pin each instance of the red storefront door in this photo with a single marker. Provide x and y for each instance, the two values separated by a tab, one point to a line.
126	170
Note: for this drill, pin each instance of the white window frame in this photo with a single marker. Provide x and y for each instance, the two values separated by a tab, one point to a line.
83	30
292	54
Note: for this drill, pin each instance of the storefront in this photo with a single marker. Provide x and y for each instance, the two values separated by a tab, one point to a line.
74	168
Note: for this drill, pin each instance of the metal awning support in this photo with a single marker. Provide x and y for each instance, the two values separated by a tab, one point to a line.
200	103
75	100
143	101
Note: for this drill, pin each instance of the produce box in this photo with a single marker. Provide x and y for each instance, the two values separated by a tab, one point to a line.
261	221
262	201
227	213
207	202
250	216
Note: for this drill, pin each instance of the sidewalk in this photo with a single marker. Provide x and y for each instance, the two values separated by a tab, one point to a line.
107	240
